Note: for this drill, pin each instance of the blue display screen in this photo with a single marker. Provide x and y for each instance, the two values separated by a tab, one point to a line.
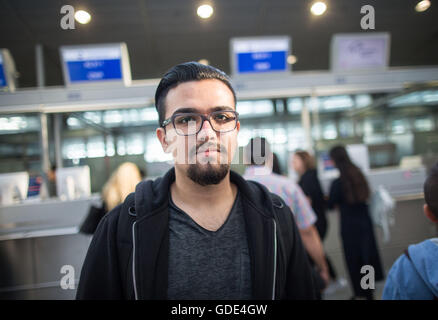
3	82
35	183
94	70
261	61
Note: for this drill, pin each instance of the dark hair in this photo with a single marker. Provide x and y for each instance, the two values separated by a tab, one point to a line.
275	164
431	190
185	72
307	159
353	182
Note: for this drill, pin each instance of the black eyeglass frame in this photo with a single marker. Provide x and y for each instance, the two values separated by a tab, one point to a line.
203	117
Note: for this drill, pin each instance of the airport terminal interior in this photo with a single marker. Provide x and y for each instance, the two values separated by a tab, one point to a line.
77	86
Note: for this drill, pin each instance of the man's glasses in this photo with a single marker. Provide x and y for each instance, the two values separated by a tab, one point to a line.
187	124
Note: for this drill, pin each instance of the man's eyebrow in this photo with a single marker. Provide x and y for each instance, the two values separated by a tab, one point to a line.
194	110
222	108
186	110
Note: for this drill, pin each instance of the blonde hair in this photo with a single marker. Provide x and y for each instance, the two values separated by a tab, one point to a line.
121	183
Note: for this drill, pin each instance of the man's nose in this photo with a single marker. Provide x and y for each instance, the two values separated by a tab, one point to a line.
206	132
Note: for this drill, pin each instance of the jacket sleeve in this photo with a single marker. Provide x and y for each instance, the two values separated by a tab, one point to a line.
100	276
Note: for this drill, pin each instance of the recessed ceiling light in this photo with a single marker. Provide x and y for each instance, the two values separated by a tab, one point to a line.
318	8
205	11
82	16
422	6
204	61
291	59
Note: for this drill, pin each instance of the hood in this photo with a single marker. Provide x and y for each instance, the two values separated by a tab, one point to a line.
153	195
424	257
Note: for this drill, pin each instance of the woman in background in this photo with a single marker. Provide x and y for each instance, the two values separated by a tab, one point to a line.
121	183
350	193
304	165
276	164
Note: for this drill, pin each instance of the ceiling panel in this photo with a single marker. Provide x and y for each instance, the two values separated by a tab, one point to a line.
162	33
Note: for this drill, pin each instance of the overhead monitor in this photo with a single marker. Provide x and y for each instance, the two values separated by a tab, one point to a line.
13	187
73	182
254	55
94	64
7	70
360	51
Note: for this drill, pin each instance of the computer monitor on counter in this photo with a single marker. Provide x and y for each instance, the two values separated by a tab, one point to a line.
13	187
73	182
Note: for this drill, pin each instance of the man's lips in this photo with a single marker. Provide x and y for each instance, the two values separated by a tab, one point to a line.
209	151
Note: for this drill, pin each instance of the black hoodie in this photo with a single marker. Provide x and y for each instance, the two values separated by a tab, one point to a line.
128	256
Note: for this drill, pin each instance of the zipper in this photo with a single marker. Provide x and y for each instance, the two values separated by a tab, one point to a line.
275	259
133	261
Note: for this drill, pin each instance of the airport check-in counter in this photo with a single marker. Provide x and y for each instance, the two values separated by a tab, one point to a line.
36	240
410	225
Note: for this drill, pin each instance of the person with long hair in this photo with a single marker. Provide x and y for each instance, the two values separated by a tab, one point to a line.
350	194
304	165
121	183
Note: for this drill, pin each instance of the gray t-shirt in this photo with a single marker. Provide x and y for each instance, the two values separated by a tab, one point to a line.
205	265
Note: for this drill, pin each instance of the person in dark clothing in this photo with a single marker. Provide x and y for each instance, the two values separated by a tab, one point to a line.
201	231
276	168
304	164
350	193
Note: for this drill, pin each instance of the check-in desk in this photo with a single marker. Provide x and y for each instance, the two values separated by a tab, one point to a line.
36	240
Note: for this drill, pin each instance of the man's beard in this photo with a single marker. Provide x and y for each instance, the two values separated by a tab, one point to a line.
207	174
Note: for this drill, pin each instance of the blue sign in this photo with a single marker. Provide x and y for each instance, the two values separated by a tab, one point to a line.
3	82
327	162
35	183
94	70
262	61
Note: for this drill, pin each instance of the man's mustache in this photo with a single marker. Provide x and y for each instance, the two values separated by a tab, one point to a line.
208	146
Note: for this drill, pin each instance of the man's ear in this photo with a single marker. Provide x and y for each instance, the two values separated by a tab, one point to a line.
161	135
429	214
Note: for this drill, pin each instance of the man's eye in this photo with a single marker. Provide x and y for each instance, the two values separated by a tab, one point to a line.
222	117
185	120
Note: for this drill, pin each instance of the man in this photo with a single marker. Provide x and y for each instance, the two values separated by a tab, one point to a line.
258	153
201	231
414	275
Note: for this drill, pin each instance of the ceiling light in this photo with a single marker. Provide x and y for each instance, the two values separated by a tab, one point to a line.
205	11
291	59
318	8
82	16
422	6
204	62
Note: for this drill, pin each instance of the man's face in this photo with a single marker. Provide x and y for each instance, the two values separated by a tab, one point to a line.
204	157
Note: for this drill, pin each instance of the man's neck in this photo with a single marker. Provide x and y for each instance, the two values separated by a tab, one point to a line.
209	206
190	192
